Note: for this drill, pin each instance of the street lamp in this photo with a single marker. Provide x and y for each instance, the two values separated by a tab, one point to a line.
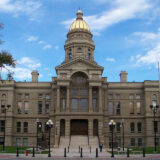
49	124
112	126
122	125
154	108
38	126
4	133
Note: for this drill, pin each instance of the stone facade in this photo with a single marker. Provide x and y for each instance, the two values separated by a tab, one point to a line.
79	101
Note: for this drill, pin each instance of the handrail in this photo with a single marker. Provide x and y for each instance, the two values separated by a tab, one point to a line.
59	140
69	139
88	139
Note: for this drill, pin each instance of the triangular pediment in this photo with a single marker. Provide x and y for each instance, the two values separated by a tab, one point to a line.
79	63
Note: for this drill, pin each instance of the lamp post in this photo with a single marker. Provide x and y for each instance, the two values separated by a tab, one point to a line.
38	126
49	124
154	108
112	126
4	133
122	125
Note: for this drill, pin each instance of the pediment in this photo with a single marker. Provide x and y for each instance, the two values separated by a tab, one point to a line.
79	63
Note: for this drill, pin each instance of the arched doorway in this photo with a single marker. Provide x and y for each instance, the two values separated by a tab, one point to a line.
95	127
79	127
62	127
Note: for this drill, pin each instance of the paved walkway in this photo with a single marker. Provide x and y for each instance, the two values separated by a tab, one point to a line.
54	157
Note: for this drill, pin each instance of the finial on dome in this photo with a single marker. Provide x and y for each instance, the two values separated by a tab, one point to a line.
79	14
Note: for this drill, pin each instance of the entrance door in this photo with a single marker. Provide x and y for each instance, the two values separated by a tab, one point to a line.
79	127
62	127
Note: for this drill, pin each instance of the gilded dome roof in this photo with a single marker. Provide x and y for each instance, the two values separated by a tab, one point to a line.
79	23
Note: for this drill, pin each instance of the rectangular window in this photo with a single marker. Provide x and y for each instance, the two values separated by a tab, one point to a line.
27	96
26	107
40	107
47	107
83	104
19	96
94	104
19	110
131	96
139	141
1	140
118	142
83	92
138	107
138	96
18	142
39	127
131	107
132	127
45	127
110	108
40	95
157	141
74	92
18	127
139	127
25	142
118	127
2	127
25	127
3	104
47	96
110	96
117	96
74	103
132	142
118	110
63	104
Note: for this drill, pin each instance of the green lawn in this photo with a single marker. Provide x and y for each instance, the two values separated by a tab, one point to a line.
12	149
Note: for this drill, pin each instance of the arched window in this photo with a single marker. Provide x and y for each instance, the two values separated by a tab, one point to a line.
3	95
89	56
70	56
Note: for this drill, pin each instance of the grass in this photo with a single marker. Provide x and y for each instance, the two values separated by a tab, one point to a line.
13	149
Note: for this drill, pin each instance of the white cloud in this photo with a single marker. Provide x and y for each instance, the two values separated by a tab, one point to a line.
151	57
30	63
48	46
121	10
110	59
41	42
32	38
21	7
56	47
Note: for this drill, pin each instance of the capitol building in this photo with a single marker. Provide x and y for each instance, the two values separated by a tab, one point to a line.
80	102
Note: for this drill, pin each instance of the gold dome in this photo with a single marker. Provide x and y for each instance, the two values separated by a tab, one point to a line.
79	23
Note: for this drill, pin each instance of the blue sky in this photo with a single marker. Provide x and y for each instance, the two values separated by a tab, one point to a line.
126	35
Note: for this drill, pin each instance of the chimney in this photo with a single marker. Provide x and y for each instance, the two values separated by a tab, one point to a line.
123	76
35	75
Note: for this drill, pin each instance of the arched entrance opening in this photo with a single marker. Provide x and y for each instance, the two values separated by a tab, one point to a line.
79	127
62	127
95	127
79	92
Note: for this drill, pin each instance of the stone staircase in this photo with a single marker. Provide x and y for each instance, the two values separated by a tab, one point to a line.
93	142
64	142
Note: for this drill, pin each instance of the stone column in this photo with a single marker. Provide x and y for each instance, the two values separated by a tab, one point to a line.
100	98
90	99
67	104
90	127
58	99
57	132
67	128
